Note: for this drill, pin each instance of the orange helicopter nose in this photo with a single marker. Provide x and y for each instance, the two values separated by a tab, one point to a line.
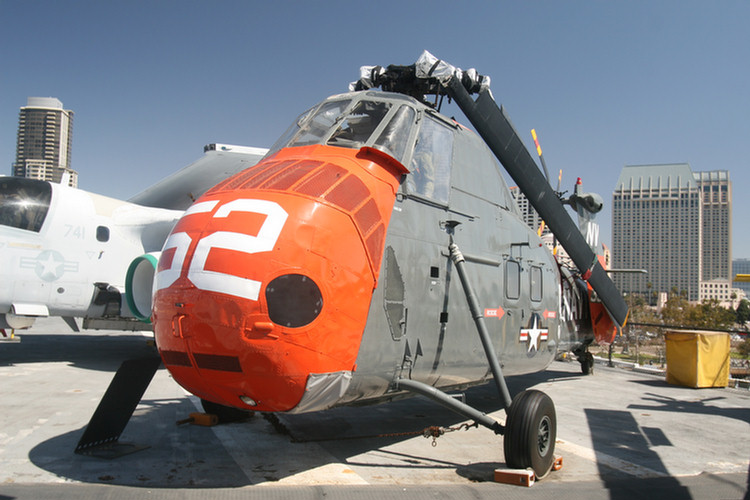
263	288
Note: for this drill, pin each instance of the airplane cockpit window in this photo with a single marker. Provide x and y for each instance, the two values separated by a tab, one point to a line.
431	162
24	203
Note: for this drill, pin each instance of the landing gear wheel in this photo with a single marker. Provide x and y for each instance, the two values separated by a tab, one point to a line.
587	363
530	433
226	414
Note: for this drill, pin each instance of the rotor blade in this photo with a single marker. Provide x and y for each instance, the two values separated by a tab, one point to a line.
497	131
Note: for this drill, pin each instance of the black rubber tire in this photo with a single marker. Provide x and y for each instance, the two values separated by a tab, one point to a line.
587	363
530	433
226	414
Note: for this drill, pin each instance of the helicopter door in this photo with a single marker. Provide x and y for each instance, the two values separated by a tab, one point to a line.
417	314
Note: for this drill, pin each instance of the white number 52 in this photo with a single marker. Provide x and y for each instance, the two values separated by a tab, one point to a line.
216	281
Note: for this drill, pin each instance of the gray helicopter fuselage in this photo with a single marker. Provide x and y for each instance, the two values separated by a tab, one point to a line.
419	325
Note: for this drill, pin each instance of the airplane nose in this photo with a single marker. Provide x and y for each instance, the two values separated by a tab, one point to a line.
260	290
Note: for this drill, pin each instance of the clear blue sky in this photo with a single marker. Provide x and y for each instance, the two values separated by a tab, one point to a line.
604	83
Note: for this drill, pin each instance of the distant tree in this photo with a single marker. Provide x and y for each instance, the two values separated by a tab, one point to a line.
710	314
679	312
744	348
675	311
743	312
641	312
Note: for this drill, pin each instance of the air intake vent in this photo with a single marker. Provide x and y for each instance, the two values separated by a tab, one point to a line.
321	181
175	358
349	194
218	362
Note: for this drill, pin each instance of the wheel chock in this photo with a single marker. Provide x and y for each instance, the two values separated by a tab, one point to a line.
523	477
10	339
204	419
519	477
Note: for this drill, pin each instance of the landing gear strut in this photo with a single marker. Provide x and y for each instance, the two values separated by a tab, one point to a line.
531	426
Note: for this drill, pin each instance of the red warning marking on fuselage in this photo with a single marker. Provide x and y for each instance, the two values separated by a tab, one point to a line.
494	313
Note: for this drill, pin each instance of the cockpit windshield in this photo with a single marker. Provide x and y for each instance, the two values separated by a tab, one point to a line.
354	123
24	203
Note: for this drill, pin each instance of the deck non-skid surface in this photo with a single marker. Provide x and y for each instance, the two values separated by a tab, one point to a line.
620	434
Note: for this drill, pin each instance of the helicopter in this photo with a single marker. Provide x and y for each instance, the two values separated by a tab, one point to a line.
375	253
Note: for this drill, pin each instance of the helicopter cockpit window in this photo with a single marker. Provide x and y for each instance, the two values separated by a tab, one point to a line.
431	162
315	128
382	124
282	141
24	202
395	137
359	124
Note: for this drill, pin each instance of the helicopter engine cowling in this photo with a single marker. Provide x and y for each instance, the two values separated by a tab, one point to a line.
139	282
10	320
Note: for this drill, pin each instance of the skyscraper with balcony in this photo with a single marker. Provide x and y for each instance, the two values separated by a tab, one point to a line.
45	135
674	223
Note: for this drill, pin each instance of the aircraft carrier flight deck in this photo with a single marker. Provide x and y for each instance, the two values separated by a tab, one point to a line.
620	433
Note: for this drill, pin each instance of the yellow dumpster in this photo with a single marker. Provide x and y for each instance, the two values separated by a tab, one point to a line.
697	358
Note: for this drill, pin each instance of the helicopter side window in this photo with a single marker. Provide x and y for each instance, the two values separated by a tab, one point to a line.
24	203
395	137
512	279
535	275
359	124
431	162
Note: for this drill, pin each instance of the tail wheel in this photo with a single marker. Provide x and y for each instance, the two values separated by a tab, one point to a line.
587	363
530	433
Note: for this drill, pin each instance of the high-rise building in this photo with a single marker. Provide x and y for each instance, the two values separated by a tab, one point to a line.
675	224
529	215
716	191
45	135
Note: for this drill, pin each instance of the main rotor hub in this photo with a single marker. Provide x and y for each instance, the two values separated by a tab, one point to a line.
428	76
